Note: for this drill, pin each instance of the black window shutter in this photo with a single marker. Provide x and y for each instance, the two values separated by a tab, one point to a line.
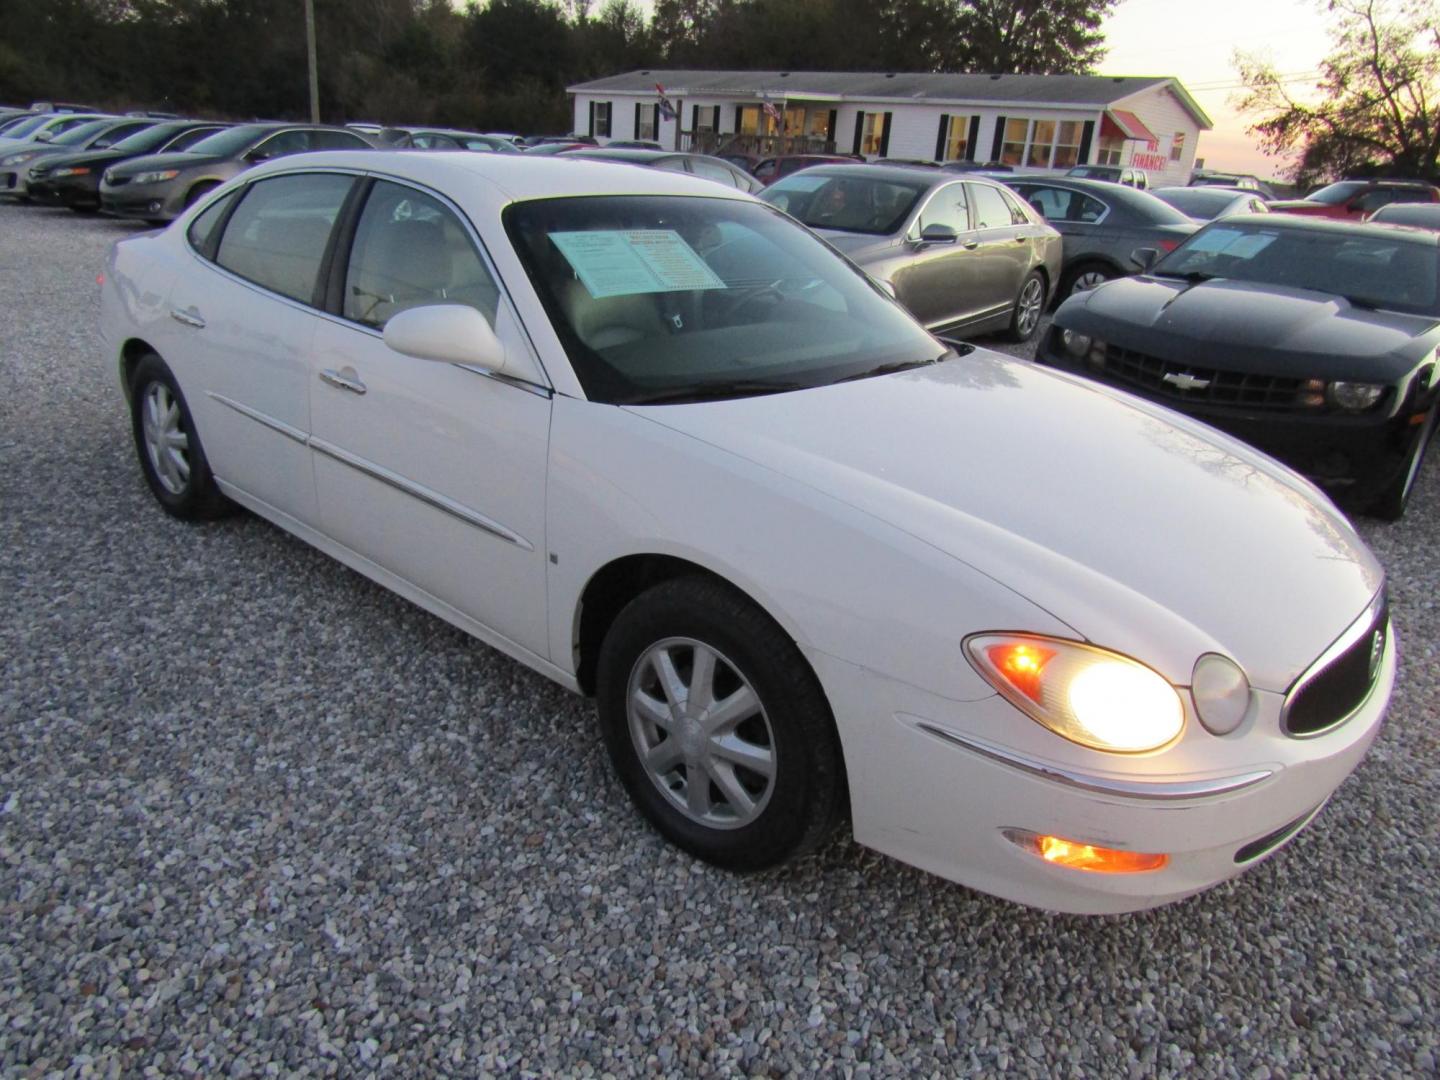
999	142
717	119
942	137
737	118
590	125
974	138
885	136
637	121
830	131
859	130
694	119
1085	137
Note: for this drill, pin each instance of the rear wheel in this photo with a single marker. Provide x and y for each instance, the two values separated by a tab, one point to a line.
1085	276
1390	504
717	727
171	456
1029	305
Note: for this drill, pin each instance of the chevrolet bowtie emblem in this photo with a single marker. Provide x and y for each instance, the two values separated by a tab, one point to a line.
1183	380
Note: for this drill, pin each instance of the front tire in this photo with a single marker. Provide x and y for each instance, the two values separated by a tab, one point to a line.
1390	504
171	457
1029	306
717	727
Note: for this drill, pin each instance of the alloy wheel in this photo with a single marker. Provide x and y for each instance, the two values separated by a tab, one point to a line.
1032	299
166	443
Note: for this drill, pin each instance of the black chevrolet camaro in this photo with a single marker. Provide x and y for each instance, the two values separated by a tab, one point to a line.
1314	340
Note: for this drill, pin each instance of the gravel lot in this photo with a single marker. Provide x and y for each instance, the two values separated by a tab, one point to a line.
258	816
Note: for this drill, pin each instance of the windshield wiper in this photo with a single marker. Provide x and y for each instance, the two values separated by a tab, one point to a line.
894	366
736	388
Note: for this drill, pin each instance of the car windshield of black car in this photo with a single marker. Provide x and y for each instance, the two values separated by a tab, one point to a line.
1399	274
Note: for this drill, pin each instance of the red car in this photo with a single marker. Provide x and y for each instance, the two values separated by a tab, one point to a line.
1353	200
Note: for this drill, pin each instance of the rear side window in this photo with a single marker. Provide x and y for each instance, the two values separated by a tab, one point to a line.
411	250
202	229
1018	215
277	235
711	171
336	140
990	209
286	142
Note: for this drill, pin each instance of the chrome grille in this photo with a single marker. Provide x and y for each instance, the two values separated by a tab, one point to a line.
1185	382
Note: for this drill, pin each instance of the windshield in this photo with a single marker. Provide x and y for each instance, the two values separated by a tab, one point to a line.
147	139
25	127
230	141
1397	273
670	298
845	203
1335	194
78	134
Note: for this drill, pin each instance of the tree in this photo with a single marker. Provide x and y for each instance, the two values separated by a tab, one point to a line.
1378	103
1032	37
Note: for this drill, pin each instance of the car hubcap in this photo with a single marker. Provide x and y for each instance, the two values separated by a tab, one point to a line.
165	440
1031	298
1088	280
701	733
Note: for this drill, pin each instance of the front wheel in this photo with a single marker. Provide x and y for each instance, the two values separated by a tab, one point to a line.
170	454
717	727
1025	319
1390	504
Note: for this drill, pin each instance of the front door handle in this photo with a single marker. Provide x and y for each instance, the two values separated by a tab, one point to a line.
190	317
345	380
970	245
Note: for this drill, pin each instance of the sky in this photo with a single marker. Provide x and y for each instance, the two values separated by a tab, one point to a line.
1195	42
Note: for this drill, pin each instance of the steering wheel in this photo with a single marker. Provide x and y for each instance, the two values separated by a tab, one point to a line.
733	301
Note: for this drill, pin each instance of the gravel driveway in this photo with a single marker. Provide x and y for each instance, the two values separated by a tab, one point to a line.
258	816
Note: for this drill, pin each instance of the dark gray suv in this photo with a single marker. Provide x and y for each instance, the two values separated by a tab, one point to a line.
159	187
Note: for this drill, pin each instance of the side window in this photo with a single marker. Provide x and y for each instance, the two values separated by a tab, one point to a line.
948	207
1409	195
1087	210
1054	204
711	171
334	140
1374	200
276	237
1018	216
673	164
286	142
185	139
411	250
990	209
202	228
766	170
115	134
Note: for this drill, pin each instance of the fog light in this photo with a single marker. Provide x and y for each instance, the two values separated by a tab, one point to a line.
154	206
1079	856
1075	344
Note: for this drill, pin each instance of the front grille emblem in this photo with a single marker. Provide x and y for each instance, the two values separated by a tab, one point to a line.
1183	380
1377	650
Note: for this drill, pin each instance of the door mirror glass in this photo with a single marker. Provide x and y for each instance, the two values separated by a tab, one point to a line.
448	333
45	136
938	234
1145	258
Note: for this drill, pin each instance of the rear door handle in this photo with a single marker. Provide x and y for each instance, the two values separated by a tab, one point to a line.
189	318
346	380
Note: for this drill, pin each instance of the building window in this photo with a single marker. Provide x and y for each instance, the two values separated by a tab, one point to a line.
1017	134
1067	144
1177	148
754	120
600	125
957	139
647	121
819	125
794	120
872	137
1111	151
707	118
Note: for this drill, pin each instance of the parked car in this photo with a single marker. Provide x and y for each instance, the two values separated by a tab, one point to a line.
770	169
977	166
1415	215
1243	181
43	127
1113	174
1103	224
808	559
963	256
1206	203
158	187
1355	199
552	148
1313	340
418	138
73	180
711	168
532	141
634	144
16	163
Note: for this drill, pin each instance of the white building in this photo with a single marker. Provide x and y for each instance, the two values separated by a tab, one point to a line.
1028	121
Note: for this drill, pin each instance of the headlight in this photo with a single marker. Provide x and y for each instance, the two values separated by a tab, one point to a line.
1221	692
158	177
1354	396
1090	696
1073	343
79	170
18	159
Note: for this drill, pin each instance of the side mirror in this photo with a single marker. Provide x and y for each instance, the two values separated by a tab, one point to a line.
939	234
44	136
1145	258
254	157
887	287
449	333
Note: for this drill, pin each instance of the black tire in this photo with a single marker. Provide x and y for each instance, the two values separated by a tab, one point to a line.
1079	270
1390	504
805	797
1018	331
199	191
188	495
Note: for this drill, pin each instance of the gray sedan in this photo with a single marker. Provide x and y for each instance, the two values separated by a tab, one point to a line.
962	253
1103	224
159	187
1207	202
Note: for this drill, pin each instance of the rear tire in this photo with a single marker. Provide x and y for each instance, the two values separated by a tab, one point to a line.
1082	277
1029	307
717	726
169	449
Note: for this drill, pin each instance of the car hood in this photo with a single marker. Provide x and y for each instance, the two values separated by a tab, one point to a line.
154	162
1241	325
859	247
94	158
1143	531
1305	206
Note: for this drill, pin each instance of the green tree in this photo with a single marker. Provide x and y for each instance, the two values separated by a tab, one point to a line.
1377	103
1034	37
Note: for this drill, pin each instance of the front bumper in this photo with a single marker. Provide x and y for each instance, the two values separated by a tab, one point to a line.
76	192
150	202
928	787
1352	457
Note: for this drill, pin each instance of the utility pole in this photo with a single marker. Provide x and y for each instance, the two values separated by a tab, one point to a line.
314	70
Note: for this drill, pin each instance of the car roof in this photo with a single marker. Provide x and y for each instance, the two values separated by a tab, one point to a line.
900	174
495	180
629	153
1308	223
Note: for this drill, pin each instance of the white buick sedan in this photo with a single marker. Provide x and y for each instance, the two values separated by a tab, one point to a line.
657	441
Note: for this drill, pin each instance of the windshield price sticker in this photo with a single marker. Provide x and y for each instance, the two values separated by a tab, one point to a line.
627	262
1233	242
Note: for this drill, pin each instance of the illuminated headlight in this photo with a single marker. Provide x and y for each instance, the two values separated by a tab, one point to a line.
18	159
158	177
1354	396
79	170
1090	696
1073	343
1221	692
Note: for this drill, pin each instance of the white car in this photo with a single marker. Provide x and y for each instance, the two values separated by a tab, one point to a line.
657	441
